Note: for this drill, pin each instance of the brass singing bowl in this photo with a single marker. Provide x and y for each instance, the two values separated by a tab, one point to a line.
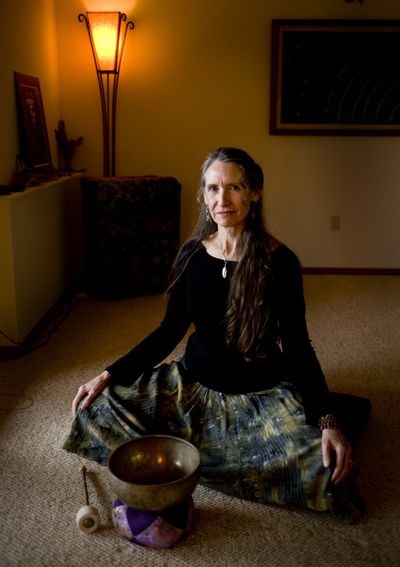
154	472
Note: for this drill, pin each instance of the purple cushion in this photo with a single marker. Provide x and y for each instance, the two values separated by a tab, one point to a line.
153	529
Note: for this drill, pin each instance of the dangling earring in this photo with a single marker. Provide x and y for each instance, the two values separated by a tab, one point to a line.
208	218
253	211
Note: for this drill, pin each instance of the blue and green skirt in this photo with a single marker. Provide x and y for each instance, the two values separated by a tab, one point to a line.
255	446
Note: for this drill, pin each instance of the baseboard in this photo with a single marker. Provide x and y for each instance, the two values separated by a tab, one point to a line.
353	271
30	341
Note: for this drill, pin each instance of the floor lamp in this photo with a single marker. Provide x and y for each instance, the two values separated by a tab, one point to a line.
107	40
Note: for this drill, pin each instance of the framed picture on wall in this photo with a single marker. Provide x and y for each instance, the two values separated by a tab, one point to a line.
335	77
35	148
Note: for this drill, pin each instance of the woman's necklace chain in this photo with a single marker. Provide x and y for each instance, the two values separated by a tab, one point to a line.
224	269
223	254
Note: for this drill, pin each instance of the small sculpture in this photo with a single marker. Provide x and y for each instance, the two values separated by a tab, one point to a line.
67	147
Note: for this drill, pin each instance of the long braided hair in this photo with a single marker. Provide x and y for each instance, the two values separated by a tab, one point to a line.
248	310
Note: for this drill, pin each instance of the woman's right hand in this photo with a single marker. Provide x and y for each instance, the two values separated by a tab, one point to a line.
91	390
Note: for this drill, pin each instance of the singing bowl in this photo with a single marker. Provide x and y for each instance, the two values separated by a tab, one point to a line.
154	472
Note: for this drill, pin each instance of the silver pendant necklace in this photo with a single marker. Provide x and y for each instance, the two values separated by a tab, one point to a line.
224	269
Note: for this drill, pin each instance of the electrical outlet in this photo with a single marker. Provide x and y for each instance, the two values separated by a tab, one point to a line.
334	222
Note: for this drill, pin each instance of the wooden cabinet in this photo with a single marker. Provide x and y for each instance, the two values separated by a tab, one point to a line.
131	234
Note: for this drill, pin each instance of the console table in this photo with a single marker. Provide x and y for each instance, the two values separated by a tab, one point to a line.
41	253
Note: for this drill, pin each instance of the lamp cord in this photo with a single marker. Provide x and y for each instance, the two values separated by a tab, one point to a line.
68	308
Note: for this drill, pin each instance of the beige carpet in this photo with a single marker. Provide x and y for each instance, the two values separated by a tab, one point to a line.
355	325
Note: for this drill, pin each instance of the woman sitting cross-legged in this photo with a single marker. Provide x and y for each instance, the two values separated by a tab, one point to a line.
248	391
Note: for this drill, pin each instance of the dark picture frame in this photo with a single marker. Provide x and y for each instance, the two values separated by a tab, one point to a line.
335	77
35	149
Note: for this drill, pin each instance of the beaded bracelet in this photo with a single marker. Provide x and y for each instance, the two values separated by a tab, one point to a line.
328	421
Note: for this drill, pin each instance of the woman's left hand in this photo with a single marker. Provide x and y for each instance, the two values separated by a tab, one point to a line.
333	441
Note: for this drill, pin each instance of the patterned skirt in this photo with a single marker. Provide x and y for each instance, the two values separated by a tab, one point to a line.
255	446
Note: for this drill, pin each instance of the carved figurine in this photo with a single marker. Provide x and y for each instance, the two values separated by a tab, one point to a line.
67	147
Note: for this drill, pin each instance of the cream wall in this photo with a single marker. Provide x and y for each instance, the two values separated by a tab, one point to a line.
195	75
28	45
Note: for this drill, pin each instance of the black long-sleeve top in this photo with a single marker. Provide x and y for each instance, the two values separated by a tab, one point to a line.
199	298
